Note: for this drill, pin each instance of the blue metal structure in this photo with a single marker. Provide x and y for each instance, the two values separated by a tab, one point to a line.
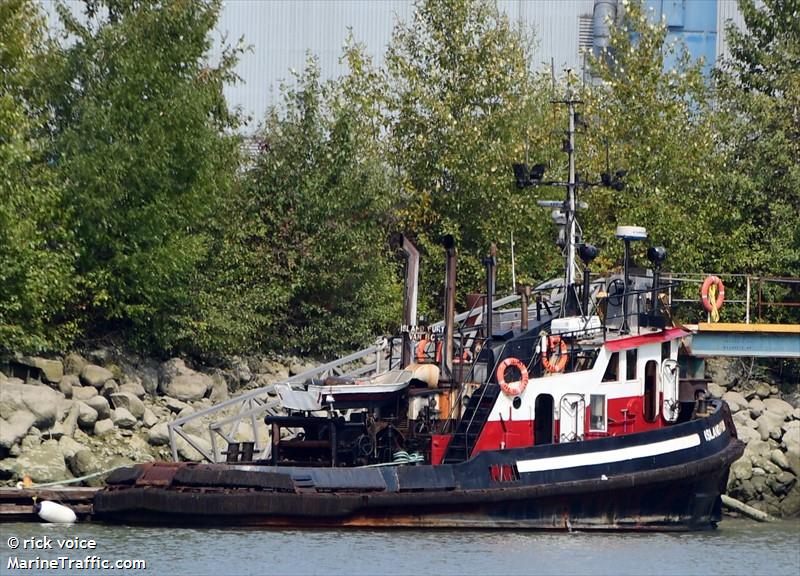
691	22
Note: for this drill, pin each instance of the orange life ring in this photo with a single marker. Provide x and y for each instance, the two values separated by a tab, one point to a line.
422	345
512	388
717	304
561	363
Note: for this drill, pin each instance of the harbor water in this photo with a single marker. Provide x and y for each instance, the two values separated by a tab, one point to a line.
736	547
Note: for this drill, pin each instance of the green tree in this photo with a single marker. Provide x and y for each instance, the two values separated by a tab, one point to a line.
759	88
36	264
142	143
659	125
315	221
460	91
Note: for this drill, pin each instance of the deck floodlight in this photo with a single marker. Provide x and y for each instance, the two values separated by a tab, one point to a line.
657	255
537	172
521	175
587	252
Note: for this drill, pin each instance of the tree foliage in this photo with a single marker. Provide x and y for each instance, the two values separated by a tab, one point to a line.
315	210
658	125
459	88
127	210
35	255
140	141
760	129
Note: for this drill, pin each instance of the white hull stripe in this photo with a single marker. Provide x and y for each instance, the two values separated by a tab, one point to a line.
618	455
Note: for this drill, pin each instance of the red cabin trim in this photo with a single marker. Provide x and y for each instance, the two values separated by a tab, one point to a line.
644	339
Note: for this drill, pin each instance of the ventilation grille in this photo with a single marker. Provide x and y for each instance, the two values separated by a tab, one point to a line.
585	34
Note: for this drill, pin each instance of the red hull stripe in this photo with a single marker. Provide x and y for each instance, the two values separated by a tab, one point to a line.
643	339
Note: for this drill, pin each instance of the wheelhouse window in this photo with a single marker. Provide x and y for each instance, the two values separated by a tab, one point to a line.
597	412
666	350
612	370
630	364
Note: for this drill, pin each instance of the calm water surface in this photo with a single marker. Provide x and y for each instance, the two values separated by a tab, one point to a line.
737	547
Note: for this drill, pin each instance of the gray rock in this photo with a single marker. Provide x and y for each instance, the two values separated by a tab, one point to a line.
103	426
93	375
130	402
715	390
109	388
742	469
84	463
158	435
149	419
794	463
769	425
15	428
758	448
779	459
188	387
44	463
791	439
735	400
779	407
762	390
170	369
31	441
74	363
69	447
756	407
71	421
52	370
41	401
122	418
219	389
186	412
796	414
68	382
790	505
174	405
747	434
742	419
766	465
83	392
781	483
188	452
87	416
100	404
134	388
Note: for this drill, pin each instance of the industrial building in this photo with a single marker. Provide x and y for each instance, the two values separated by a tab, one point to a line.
282	33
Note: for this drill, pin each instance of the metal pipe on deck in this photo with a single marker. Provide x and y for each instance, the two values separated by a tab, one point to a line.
449	303
410	296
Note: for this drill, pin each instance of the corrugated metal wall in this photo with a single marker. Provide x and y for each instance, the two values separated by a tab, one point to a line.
283	32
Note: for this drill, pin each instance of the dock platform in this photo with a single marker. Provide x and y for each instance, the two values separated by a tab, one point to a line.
16	504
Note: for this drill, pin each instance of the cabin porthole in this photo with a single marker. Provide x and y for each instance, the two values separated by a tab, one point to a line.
517	402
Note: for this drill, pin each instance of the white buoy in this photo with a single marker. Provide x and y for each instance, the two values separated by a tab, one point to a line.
55	513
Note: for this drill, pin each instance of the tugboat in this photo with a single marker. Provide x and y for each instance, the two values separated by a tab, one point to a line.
576	419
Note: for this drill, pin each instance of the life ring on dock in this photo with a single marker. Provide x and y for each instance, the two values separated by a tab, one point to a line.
561	363
512	388
713	295
421	354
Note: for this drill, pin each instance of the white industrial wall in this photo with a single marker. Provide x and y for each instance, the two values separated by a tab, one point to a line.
283	32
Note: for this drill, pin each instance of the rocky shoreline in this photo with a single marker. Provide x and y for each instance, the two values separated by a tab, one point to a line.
75	416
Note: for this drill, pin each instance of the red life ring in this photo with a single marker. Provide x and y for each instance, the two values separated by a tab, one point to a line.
717	304
561	363
512	388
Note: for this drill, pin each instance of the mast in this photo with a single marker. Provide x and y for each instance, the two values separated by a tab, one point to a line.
571	203
571	306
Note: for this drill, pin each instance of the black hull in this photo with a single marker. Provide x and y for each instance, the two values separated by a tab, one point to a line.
673	491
